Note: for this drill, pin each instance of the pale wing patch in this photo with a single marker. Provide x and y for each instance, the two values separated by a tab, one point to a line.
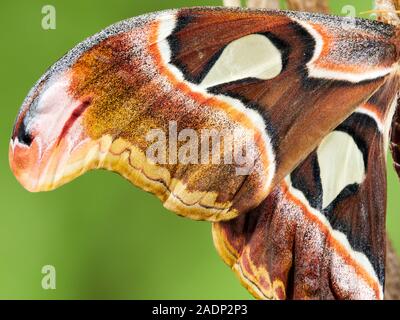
341	163
253	56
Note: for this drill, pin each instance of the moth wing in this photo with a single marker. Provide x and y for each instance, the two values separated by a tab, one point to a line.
395	140
321	233
282	79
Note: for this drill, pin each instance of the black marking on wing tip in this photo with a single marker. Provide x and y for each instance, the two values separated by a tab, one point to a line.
23	135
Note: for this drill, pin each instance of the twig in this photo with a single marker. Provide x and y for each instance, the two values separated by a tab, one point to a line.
232	3
308	5
266	4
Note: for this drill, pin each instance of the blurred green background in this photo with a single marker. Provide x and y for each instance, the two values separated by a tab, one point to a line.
105	238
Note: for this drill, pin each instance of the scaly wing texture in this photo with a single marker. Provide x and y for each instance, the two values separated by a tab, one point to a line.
321	233
395	140
285	79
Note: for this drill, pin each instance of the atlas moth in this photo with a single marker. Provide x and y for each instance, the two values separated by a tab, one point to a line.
316	95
